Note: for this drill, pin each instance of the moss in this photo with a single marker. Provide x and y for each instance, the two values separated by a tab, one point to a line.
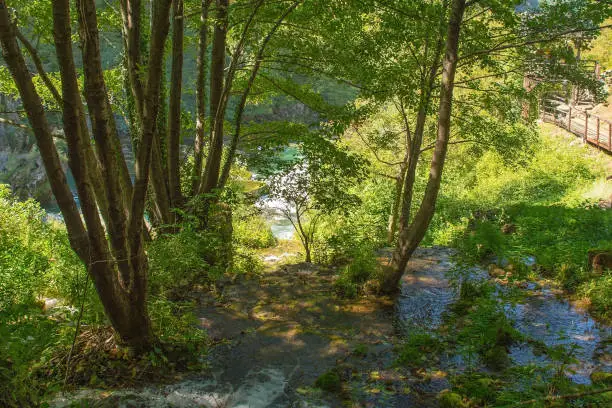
496	358
478	388
361	350
600	377
330	382
449	399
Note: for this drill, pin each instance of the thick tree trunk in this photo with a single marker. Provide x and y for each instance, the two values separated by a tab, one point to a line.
104	132
215	149
160	27
202	63
125	307
36	116
412	236
174	111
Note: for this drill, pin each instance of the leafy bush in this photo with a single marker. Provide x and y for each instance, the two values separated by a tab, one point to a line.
175	324
599	293
26	250
246	262
352	278
252	231
341	235
178	261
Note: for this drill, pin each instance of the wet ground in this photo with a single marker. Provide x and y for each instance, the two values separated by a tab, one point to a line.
276	334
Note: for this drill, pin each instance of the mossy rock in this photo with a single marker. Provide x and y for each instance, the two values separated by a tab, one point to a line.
480	388
600	377
600	259
448	399
330	382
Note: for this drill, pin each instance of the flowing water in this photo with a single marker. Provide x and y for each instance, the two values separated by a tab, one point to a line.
283	353
542	315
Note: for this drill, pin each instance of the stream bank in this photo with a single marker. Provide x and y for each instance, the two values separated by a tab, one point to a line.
283	340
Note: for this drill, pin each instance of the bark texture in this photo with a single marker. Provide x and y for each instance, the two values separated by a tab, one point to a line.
215	149
412	236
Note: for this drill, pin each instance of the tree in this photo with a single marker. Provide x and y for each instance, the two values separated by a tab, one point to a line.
402	50
316	183
118	266
290	189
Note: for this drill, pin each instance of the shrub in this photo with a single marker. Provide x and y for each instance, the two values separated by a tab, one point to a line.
178	261
26	250
599	292
251	230
329	381
246	262
352	278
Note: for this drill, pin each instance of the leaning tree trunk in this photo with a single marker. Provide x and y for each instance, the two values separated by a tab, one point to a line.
117	265
413	235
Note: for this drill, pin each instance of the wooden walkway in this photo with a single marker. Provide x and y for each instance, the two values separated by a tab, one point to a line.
591	128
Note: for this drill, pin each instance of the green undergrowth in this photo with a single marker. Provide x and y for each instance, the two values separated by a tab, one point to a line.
545	207
477	333
38	265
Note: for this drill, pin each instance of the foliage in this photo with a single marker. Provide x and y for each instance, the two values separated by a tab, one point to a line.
362	228
26	247
484	331
177	261
544	201
251	229
415	349
362	267
246	261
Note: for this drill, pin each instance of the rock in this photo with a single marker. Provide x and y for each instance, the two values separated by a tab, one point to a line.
50	303
600	259
496	272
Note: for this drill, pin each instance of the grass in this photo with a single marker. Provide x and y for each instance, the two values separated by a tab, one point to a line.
545	207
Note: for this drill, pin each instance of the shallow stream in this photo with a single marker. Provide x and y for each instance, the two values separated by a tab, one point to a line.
265	368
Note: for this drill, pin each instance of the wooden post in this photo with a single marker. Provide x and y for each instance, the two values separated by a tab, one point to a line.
597	135
569	119
586	127
610	136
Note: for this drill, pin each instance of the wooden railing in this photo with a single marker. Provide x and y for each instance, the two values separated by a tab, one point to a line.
591	128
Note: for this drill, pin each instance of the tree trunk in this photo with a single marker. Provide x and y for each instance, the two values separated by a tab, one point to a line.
160	27
174	111
202	63
395	207
412	236
215	149
131	27
36	116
